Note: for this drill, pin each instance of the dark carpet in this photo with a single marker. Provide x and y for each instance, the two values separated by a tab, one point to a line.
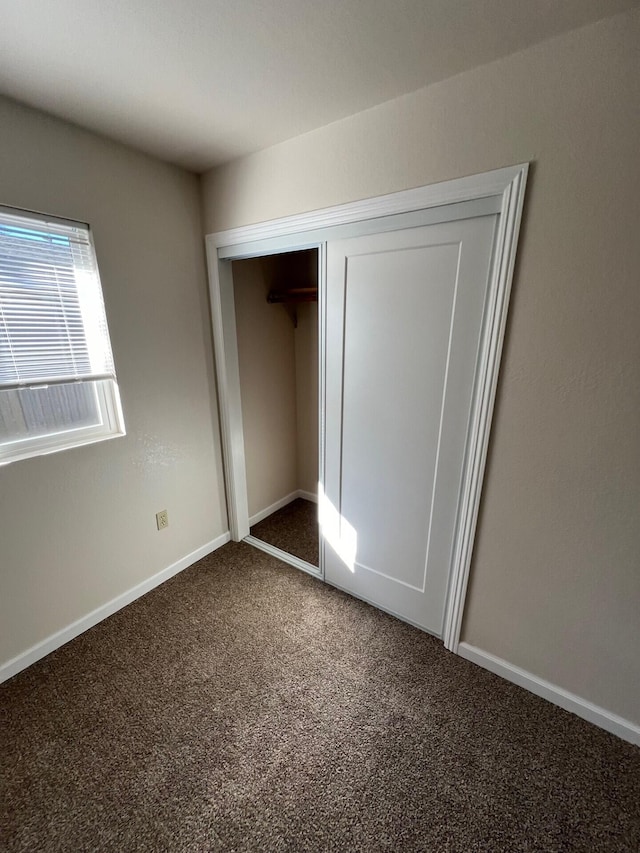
245	706
293	529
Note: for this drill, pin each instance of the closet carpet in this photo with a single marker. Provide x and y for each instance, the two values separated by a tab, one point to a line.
245	706
293	529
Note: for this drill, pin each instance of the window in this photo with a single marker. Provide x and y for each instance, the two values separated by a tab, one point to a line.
57	379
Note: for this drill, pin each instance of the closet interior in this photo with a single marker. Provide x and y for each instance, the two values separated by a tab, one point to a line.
276	306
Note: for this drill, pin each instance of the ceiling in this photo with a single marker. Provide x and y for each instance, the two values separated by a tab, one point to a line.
199	82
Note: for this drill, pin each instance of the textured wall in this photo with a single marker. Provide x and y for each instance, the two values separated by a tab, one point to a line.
556	573
278	377
77	528
306	344
266	359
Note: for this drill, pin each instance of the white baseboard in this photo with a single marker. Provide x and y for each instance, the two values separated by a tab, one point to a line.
287	499
624	729
40	650
267	511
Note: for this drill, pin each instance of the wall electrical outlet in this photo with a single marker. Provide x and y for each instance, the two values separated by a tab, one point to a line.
162	519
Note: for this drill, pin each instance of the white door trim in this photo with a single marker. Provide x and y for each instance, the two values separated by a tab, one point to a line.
306	230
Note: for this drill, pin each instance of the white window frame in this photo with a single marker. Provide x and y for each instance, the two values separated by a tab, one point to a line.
106	393
112	426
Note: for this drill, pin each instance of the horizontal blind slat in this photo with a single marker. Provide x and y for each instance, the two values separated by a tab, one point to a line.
52	321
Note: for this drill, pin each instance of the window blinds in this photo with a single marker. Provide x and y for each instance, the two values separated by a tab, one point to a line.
53	327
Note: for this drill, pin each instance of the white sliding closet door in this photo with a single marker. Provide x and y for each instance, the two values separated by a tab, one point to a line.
403	320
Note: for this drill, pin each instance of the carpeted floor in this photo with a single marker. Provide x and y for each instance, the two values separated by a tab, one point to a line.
293	529
245	706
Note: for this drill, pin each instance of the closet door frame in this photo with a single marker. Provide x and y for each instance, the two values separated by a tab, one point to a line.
502	191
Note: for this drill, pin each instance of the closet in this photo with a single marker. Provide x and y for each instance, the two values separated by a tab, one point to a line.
276	310
413	296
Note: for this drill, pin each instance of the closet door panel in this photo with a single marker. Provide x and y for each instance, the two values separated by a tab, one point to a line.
404	314
392	404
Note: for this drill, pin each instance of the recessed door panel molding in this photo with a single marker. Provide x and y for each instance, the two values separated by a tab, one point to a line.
404	314
391	403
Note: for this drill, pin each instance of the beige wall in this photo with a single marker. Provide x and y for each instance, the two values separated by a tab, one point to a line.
266	360
278	364
77	528
306	344
556	573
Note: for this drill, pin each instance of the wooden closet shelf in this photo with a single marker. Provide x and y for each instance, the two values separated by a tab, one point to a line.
293	294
